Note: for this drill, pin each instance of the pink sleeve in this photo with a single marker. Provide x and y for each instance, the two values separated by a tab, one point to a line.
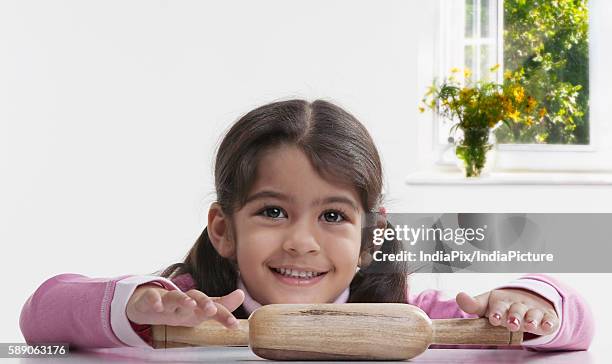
577	324
74	309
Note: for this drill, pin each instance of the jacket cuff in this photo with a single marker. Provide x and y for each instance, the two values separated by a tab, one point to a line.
550	293
120	324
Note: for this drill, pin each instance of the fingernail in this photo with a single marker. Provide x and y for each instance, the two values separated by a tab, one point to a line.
546	325
535	324
514	321
497	316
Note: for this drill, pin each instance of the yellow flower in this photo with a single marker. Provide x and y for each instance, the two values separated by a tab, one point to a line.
494	68
515	115
542	112
507	75
467	73
454	70
421	109
519	93
465	93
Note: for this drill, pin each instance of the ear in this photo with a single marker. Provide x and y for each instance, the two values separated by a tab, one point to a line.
381	218
219	232
365	258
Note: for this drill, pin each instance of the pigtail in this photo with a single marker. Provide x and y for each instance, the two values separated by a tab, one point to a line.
380	281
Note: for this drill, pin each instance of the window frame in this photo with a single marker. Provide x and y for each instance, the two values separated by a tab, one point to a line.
436	61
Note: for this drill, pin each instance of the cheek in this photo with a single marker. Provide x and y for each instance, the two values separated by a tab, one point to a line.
255	245
343	250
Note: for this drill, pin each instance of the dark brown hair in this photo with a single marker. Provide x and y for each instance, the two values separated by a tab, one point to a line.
339	148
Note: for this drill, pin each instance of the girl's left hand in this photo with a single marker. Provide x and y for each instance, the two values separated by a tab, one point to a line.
514	308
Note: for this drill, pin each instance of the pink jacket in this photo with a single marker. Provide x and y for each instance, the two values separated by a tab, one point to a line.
90	312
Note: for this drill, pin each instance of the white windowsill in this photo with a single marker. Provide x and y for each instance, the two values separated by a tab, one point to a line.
455	177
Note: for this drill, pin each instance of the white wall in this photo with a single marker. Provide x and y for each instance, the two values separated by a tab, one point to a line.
110	113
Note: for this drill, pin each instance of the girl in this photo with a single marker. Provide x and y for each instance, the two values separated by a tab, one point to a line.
295	182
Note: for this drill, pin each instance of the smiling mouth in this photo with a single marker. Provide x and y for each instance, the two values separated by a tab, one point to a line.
296	273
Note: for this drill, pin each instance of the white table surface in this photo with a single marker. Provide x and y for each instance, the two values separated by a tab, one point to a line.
243	354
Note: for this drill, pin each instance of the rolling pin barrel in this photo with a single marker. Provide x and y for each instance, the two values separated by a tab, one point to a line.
355	331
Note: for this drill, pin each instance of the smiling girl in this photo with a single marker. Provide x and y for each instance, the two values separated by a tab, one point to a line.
295	182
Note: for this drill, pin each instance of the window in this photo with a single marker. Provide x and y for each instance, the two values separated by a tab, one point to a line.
481	38
558	44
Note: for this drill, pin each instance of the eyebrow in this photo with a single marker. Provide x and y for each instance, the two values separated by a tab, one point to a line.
283	197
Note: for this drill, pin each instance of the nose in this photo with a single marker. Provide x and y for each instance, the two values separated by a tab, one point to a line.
301	240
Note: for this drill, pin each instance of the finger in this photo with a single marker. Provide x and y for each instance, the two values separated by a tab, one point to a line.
516	316
177	302
474	305
549	323
205	305
225	317
498	312
532	320
232	300
150	300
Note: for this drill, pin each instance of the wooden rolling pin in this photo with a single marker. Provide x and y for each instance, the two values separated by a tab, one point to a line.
349	331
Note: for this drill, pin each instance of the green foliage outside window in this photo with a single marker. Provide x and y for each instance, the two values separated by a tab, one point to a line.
548	39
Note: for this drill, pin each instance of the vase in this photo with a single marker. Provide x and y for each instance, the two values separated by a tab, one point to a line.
476	152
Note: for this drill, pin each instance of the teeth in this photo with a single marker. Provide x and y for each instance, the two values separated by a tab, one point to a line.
296	273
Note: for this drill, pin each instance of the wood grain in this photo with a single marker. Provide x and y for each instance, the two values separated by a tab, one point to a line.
339	331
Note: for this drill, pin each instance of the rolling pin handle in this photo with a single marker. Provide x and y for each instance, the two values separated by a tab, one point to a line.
476	331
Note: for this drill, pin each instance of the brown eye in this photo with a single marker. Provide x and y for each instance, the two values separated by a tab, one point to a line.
273	212
333	216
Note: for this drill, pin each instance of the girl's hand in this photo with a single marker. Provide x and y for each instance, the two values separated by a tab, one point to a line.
154	305
514	308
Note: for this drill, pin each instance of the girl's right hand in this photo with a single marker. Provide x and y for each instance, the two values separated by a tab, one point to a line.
154	305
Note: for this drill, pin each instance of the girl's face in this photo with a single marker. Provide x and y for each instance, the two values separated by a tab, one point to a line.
298	236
